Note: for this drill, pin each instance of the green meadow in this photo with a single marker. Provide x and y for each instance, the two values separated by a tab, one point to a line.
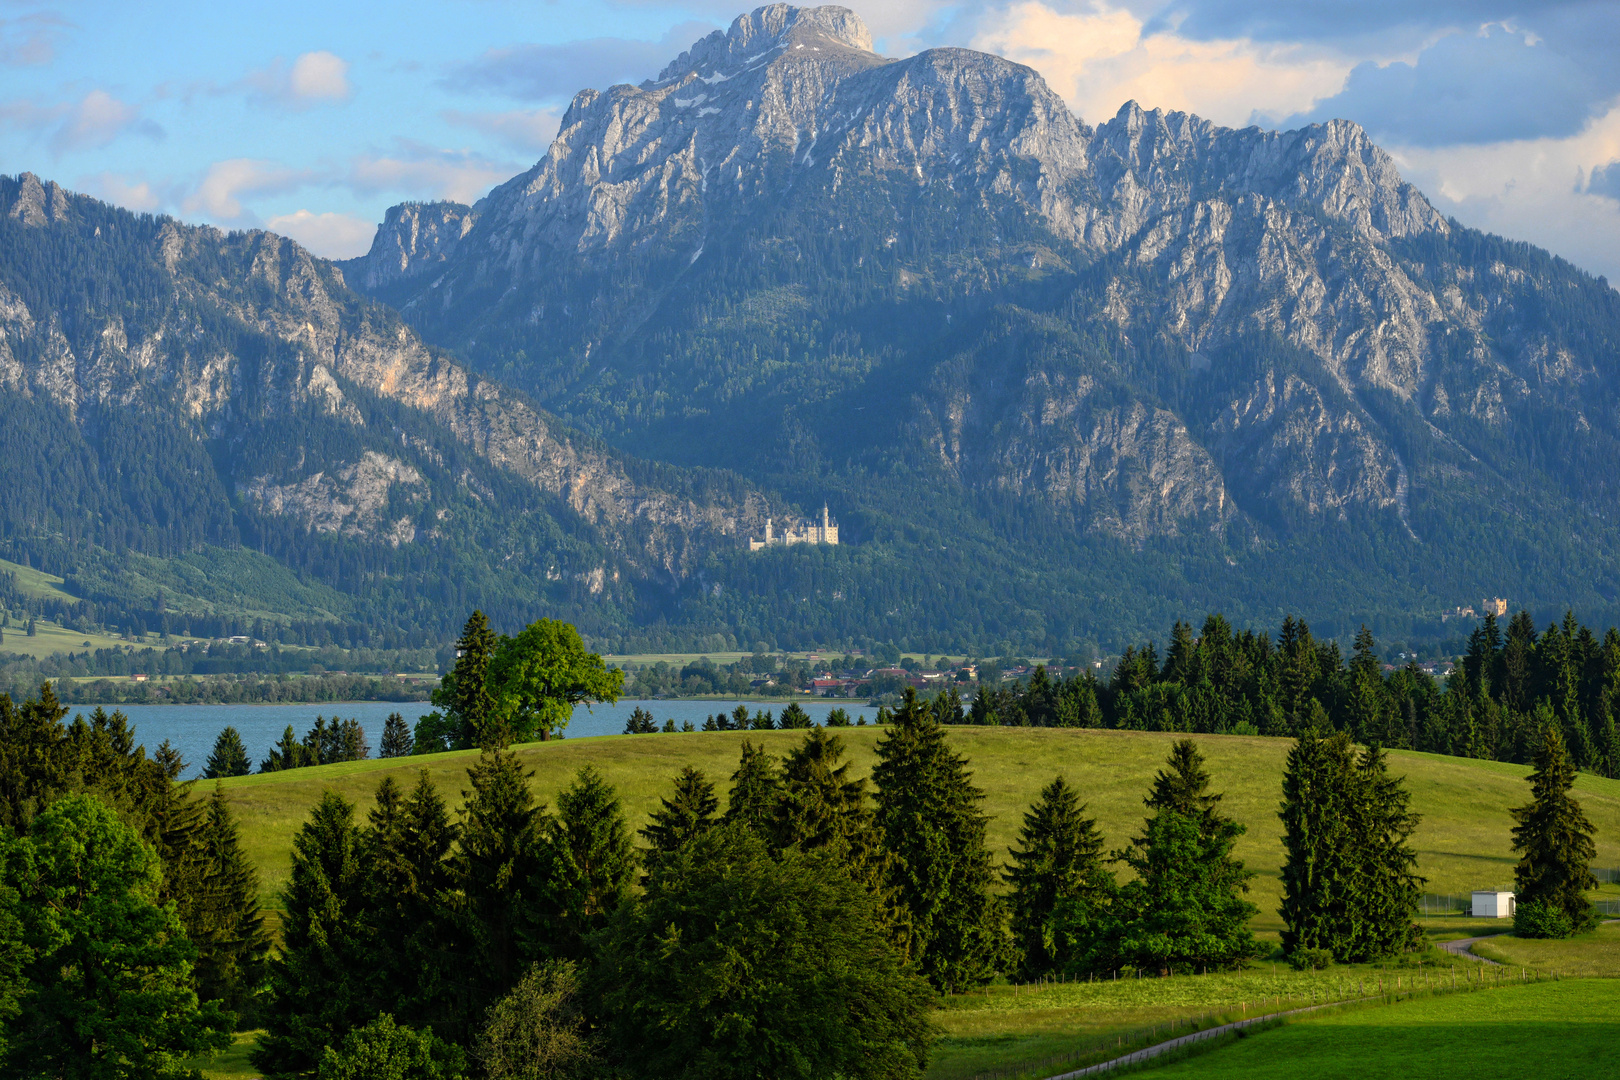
1005	1031
1544	1031
1463	842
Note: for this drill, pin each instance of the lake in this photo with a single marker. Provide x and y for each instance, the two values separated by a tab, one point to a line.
193	728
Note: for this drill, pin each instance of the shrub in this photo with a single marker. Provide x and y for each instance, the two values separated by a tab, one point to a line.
1310	959
1538	919
384	1050
536	1032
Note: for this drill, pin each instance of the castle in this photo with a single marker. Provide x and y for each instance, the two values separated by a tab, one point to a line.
825	533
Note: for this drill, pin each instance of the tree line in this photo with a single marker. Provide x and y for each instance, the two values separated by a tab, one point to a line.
1494	705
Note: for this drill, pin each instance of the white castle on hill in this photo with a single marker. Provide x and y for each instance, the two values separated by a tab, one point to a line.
825	533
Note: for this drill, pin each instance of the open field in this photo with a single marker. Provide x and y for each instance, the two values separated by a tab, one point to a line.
1544	1031
681	659
31	582
1463	842
1594	955
1053	1028
50	639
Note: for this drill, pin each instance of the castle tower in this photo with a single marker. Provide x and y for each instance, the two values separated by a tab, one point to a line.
822	539
768	530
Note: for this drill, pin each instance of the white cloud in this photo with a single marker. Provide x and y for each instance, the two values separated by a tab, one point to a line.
131	194
421	171
525	129
331	236
97	120
314	78
89	123
1098	59
218	196
1531	189
29	40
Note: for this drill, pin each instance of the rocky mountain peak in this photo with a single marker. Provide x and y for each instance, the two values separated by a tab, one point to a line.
38	203
754	37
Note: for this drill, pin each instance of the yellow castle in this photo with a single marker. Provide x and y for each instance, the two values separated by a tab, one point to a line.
825	533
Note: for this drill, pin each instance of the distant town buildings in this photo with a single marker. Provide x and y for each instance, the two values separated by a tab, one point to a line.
825	533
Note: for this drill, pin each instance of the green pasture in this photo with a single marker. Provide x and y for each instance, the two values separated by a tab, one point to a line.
1592	956
1543	1031
1463	842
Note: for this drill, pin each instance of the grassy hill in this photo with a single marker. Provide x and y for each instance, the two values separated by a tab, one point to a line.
1463	842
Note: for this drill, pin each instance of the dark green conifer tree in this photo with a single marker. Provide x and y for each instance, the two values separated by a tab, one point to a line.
755	788
396	738
287	753
593	861
35	764
1388	889
225	922
465	694
1185	911
1319	868
929	816
320	984
502	871
1060	863
1554	839
793	717
229	757
679	820
412	900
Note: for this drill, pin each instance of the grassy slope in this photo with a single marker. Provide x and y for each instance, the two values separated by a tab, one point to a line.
1546	1031
1463	841
1594	955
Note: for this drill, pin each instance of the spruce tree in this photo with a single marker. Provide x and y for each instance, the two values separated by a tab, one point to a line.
1184	911
501	871
319	984
822	808
34	760
593	861
793	717
226	924
755	789
1349	885
1319	869
411	840
929	817
229	758
465	694
1060	863
1184	785
396	739
1388	890
681	819
1554	838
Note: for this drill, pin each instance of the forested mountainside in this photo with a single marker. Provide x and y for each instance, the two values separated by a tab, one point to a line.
168	391
1090	377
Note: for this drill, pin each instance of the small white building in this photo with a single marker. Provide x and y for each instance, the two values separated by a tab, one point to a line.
1493	905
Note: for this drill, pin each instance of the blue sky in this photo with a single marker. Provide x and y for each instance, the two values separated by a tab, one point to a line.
313	118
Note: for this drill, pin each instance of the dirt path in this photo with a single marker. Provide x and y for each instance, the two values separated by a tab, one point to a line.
1149	1052
1463	946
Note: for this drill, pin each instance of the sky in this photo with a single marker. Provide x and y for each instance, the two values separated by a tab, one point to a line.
312	118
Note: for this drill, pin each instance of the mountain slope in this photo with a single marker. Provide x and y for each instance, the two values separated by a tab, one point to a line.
166	388
1191	361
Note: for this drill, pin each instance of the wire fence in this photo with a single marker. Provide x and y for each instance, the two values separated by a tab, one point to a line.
1606	877
1608	908
1437	904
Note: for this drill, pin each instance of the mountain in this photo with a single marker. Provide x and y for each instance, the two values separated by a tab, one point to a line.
1061	382
195	423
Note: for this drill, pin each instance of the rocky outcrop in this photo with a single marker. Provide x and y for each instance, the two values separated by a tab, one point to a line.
336	346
